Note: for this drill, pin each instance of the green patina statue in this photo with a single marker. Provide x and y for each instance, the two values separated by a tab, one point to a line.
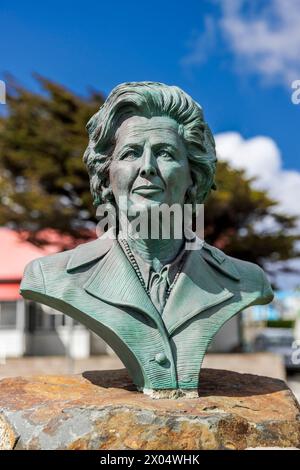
157	301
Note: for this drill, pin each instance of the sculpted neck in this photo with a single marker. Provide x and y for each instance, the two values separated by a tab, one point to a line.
163	250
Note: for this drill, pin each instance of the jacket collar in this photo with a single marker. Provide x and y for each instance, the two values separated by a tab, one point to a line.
91	251
115	282
219	260
197	289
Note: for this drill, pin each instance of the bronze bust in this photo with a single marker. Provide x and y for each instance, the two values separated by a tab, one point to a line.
158	301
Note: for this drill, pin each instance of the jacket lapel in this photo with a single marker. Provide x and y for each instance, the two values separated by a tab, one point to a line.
114	281
90	252
197	289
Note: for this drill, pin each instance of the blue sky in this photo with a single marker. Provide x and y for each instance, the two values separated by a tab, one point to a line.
237	58
101	44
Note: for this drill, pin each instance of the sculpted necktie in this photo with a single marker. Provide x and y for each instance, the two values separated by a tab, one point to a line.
158	286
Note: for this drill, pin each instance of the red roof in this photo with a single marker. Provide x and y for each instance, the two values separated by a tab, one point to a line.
9	291
16	253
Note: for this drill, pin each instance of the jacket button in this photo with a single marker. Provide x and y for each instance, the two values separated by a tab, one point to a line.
161	358
186	379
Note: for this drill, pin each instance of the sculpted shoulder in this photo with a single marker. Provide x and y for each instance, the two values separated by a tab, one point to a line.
251	277
47	269
52	274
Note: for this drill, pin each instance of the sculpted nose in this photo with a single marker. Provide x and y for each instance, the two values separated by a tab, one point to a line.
148	164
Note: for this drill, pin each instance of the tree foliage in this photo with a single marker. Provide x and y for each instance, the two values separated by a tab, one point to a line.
43	182
246	223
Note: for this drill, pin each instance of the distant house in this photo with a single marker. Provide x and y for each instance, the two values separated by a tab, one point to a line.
28	328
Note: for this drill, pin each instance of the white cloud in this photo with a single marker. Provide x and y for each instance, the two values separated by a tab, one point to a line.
201	44
263	36
260	157
267	42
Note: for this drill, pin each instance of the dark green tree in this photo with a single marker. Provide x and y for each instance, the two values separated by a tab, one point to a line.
43	182
246	223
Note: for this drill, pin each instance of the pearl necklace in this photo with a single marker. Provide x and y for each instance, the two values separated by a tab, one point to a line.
124	244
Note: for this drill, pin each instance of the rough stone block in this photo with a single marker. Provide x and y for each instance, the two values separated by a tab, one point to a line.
103	410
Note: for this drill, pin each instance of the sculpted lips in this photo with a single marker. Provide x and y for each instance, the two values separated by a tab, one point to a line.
147	189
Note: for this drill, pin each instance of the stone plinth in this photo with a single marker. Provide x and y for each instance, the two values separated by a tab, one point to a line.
102	410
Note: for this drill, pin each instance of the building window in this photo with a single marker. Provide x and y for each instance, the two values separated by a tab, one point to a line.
8	315
42	318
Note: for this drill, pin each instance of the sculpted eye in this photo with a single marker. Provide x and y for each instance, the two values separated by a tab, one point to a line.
130	155
164	154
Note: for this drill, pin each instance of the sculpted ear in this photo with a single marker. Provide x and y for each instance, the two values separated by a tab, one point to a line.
191	194
107	194
201	187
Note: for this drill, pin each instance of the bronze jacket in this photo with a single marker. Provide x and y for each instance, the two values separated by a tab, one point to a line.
96	285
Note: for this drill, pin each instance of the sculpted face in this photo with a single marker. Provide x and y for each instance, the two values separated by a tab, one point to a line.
149	162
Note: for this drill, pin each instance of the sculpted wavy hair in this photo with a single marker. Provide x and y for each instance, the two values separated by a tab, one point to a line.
150	99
